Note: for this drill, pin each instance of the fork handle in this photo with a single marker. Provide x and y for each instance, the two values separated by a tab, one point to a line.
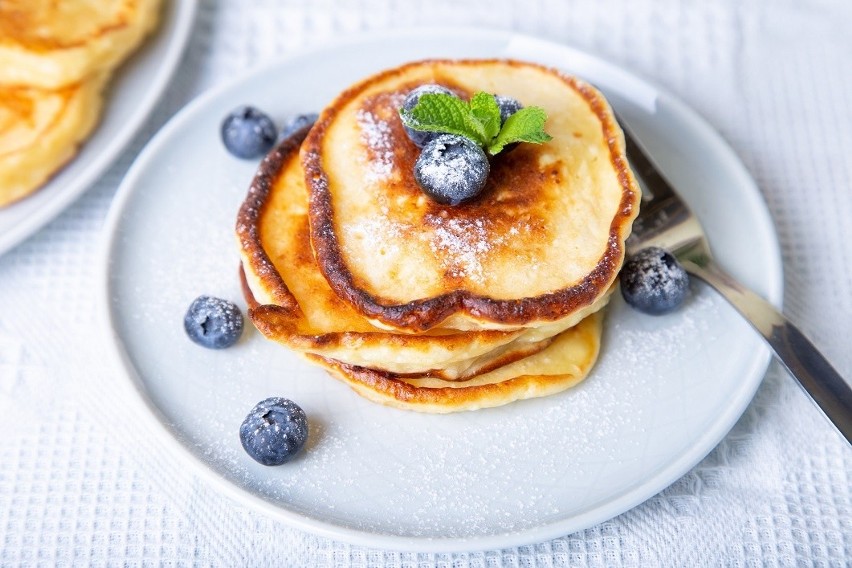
808	366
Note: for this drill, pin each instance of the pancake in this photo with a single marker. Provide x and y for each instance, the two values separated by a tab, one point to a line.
293	304
543	243
562	365
40	131
51	44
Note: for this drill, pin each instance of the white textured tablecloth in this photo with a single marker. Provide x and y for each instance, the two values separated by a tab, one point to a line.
81	482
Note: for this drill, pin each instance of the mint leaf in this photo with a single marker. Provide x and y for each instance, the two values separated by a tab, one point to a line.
439	112
478	120
484	107
526	125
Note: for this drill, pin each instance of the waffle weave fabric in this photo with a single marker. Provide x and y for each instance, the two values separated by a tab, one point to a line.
82	484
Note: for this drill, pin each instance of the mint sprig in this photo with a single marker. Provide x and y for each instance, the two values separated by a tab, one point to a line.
478	120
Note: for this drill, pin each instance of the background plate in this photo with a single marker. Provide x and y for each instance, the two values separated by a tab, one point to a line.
130	97
665	391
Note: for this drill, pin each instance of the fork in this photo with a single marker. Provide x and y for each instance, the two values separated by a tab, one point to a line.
666	221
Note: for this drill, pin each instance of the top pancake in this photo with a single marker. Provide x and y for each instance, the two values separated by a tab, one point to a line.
542	243
51	44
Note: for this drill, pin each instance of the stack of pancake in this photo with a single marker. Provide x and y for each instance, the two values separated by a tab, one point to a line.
432	307
55	59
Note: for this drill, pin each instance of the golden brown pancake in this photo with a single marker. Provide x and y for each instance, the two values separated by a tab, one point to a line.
51	43
55	58
40	131
560	366
298	308
541	245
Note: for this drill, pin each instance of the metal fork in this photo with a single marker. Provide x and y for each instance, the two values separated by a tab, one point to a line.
666	221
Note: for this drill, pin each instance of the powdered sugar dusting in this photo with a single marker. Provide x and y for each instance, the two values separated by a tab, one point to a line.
378	231
376	134
461	244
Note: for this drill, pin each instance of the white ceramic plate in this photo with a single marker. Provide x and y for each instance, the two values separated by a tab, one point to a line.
665	392
130	97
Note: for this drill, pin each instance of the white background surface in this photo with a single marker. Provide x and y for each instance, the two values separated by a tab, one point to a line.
82	480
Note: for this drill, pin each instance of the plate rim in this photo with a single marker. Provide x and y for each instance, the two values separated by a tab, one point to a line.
184	14
616	505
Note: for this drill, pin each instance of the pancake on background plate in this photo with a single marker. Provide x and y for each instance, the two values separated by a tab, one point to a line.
40	130
52	43
56	58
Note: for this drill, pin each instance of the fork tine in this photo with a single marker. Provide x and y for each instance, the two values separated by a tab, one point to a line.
664	218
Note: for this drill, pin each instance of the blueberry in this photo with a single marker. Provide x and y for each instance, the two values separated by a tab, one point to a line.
274	431
653	281
213	322
451	169
508	106
421	137
248	133
297	123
